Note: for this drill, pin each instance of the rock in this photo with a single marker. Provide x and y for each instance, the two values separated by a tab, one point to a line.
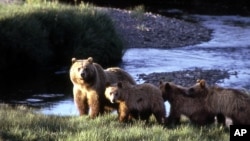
186	77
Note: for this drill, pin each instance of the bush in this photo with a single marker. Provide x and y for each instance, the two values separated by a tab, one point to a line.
49	35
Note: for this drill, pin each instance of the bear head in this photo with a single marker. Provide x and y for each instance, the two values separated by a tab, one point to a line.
200	89
83	70
113	92
169	89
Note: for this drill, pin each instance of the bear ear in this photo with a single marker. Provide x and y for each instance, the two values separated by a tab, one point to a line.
160	82
119	84
90	60
73	60
202	83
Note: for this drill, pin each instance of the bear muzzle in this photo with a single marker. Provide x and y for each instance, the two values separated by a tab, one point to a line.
112	99
84	75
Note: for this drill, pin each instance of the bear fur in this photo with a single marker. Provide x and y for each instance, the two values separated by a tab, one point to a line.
229	102
183	104
137	101
89	81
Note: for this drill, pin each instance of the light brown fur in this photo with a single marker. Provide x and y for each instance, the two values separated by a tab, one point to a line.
137	101
89	81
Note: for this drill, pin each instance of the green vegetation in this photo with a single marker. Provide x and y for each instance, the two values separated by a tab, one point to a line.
38	35
138	12
21	123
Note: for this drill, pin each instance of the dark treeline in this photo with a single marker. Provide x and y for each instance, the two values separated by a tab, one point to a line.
192	6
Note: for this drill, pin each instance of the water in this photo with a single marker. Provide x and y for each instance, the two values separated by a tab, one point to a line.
229	49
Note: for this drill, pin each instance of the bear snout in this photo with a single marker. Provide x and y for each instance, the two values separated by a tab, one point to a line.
112	98
83	75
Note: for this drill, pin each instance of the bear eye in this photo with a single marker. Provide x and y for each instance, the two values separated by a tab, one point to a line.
85	69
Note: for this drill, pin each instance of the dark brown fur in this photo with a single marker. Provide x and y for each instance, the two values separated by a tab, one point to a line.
183	104
230	102
139	101
89	80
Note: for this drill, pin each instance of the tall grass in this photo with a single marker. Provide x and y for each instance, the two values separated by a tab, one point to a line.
48	34
23	124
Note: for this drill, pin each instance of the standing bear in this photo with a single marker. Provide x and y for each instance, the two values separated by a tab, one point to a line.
229	102
183	104
137	101
89	80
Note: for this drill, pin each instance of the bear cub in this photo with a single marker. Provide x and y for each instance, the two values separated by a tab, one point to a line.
137	101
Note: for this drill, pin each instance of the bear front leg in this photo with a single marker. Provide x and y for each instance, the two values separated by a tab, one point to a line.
123	112
160	118
94	104
174	117
80	101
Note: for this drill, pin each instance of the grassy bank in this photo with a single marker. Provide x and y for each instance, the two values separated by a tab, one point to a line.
21	123
35	35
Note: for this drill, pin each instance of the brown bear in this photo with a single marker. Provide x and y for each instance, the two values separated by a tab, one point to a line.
183	104
137	101
89	80
229	102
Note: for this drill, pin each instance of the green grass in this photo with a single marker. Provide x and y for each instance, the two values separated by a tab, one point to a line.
24	124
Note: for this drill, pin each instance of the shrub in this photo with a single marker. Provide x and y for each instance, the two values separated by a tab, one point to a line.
50	34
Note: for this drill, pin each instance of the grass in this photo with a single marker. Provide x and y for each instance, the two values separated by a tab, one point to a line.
24	124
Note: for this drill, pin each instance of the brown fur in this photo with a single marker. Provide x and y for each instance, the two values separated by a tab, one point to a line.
139	101
89	81
183	104
230	102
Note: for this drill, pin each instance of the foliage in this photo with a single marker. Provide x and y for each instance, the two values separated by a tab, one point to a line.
21	123
138	12
36	35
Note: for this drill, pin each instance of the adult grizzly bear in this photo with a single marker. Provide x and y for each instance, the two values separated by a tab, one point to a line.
230	102
138	101
183	104
89	81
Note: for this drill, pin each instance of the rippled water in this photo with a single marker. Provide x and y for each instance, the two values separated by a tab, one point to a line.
229	49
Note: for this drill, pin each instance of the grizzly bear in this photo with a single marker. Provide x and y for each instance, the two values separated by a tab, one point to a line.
137	101
89	81
183	104
229	102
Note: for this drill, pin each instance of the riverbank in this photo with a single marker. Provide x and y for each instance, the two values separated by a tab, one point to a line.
33	126
141	29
